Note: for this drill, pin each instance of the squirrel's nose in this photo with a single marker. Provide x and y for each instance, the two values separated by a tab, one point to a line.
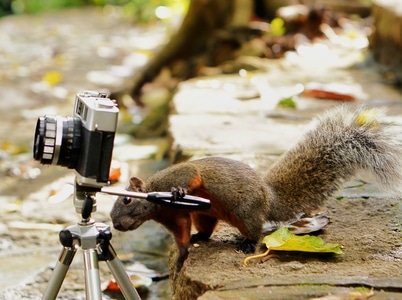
117	225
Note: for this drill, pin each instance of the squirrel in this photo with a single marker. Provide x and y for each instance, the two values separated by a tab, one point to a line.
343	142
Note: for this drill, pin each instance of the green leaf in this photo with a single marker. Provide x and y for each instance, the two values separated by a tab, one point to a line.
283	240
287	102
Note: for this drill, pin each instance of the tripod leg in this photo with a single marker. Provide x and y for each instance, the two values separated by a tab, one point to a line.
92	278
59	273
122	279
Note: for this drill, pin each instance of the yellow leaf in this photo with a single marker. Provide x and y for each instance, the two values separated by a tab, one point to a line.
283	240
52	78
12	148
368	117
278	27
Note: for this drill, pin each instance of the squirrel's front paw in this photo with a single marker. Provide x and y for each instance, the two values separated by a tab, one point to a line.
248	246
178	192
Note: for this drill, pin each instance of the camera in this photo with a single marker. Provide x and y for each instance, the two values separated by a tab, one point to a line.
83	142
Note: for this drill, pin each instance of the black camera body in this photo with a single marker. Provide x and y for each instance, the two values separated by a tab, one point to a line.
83	142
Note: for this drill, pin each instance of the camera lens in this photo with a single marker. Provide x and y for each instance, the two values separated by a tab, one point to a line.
57	140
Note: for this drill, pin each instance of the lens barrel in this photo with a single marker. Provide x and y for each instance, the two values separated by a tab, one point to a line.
57	141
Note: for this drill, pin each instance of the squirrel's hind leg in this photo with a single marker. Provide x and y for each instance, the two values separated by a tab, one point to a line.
205	225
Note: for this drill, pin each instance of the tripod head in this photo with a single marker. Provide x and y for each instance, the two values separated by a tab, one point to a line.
85	199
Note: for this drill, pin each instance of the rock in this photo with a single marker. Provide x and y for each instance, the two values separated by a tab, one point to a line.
214	270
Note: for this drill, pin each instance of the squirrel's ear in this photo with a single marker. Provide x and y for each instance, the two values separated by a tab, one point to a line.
137	184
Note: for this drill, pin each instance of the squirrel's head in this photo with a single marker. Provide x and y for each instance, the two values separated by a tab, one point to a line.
129	213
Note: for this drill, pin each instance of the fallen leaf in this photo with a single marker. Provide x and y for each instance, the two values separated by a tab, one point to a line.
52	78
330	91
278	27
283	240
287	102
13	149
368	117
322	94
112	286
114	176
136	280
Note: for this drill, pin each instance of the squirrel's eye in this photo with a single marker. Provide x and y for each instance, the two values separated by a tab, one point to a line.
126	200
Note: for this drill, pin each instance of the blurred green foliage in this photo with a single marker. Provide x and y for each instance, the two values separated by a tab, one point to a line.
139	10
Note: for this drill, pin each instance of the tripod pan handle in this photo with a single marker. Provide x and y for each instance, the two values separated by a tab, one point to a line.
164	198
187	201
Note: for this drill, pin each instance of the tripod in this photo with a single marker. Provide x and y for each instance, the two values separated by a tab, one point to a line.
94	239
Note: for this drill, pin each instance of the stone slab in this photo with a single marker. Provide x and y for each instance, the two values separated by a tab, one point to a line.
210	121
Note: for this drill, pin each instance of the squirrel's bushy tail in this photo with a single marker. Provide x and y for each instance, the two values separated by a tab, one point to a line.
343	142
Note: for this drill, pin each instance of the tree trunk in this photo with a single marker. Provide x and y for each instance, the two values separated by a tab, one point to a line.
386	40
203	18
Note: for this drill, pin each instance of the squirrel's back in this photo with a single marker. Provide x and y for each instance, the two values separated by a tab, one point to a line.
238	194
343	142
